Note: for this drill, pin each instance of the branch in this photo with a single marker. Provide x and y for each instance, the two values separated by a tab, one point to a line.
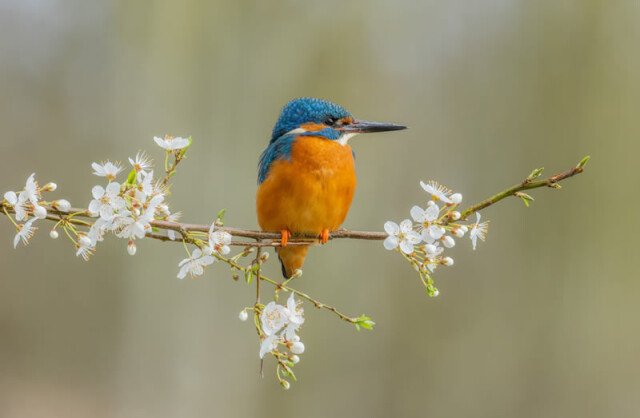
306	239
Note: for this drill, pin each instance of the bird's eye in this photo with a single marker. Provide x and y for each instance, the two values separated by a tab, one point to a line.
331	121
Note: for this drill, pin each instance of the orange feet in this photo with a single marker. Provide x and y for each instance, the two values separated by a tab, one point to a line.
324	236
284	239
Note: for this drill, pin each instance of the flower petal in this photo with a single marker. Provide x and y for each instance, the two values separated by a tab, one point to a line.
391	243
391	228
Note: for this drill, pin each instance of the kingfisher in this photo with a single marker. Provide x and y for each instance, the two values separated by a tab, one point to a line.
306	175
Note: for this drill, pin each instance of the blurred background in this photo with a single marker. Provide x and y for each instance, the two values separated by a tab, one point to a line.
541	321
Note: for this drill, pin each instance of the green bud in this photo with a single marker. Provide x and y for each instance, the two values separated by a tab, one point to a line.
583	162
535	173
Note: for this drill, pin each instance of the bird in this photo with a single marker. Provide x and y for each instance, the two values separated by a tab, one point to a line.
306	175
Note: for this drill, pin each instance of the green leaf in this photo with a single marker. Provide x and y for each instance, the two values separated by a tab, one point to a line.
220	215
131	178
365	322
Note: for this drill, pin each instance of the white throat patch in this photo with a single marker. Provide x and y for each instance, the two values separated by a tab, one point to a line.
345	137
342	140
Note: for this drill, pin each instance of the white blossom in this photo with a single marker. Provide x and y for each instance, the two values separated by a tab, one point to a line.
273	318
107	169
25	233
269	344
448	242
11	198
195	264
219	240
106	202
294	316
401	235
437	191
172	217
426	218
478	230
141	164
170	143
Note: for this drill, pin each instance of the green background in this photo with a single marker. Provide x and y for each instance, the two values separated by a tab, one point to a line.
540	321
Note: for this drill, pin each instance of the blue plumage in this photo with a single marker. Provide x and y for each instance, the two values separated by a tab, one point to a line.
295	114
305	110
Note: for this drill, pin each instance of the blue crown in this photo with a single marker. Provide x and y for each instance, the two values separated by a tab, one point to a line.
304	110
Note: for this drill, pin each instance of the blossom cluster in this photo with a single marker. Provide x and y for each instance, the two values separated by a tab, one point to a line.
29	206
278	326
433	229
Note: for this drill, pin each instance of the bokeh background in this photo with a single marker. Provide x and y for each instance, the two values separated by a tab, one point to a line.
541	321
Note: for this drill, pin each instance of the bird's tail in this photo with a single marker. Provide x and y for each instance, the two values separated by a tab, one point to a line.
292	258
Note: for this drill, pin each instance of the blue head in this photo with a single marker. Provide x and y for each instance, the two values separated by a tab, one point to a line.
308	116
306	111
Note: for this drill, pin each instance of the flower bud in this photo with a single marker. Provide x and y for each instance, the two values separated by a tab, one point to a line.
62	205
39	212
456	198
53	234
458	232
430	248
11	198
84	240
455	215
296	338
431	203
243	316
297	347
448	242
295	359
436	293
49	187
264	257
131	247
136	211
447	261
286	385
464	229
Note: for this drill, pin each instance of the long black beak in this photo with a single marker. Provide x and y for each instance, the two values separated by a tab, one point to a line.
363	126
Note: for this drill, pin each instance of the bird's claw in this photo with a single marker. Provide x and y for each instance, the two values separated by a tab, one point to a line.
324	236
284	238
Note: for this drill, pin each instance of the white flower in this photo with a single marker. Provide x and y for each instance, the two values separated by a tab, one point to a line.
54	234
195	264
108	170
456	198
130	228
146	186
403	236
273	318
295	359
62	205
39	212
219	240
478	230
437	191
11	198
85	249
141	164
269	344
106	202
294	316
427	218
243	315
170	143
25	233
31	191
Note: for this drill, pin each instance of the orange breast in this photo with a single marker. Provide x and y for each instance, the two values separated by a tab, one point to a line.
310	192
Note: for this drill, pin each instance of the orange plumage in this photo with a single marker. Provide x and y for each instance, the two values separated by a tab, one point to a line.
307	193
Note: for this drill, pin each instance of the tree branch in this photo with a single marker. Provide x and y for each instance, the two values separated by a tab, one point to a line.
305	239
